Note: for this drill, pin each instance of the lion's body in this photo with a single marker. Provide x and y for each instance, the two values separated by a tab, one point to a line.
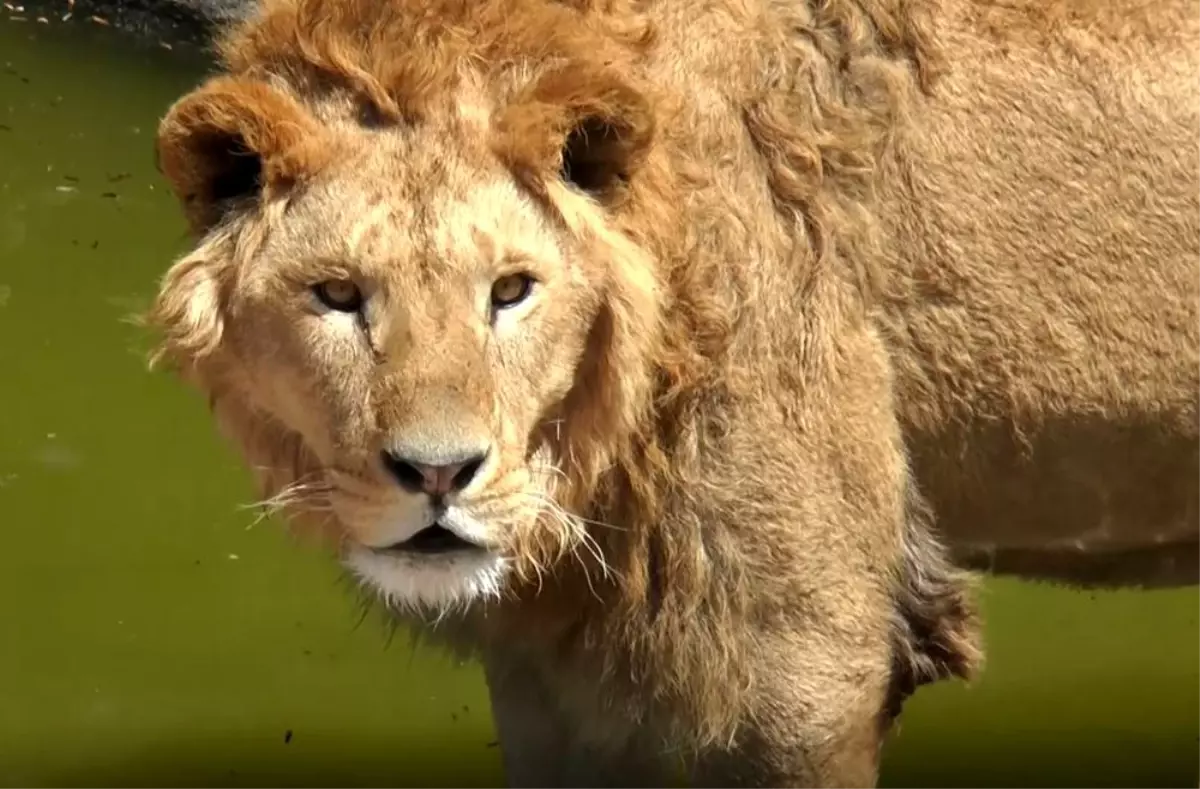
850	255
1044	206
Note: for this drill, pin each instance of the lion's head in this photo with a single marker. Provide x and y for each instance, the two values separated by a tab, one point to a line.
417	300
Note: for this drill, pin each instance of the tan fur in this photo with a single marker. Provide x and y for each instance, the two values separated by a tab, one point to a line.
819	260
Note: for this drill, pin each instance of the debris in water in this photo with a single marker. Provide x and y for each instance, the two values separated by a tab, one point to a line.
118	177
233	556
99	20
65	189
42	20
58	457
109	195
165	45
5	127
287	737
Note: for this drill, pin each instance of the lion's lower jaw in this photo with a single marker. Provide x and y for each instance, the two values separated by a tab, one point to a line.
429	585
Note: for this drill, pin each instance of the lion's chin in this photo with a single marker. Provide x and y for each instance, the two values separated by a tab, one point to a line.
423	583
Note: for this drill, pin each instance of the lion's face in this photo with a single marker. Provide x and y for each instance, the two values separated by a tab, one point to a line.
419	343
407	343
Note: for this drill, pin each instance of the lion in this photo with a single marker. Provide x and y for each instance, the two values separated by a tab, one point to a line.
683	361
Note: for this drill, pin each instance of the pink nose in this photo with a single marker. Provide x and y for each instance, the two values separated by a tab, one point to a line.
433	480
440	480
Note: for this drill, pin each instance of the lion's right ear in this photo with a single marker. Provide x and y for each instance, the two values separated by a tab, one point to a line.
234	141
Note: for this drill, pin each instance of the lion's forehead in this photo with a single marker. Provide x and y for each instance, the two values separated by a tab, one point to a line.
471	223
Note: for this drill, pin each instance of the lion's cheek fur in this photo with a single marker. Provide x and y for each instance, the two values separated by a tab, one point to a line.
614	377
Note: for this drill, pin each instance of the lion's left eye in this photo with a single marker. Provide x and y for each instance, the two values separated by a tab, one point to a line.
511	290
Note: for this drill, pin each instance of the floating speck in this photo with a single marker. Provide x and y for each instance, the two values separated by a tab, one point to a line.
233	556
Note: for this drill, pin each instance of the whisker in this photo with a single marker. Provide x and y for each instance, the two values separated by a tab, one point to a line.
588	521
576	536
310	492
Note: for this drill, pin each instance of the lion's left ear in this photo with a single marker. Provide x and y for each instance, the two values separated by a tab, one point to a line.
590	128
606	145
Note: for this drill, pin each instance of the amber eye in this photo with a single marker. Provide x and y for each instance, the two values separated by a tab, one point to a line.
510	290
339	294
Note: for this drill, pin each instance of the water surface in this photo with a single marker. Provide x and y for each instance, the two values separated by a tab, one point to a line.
151	637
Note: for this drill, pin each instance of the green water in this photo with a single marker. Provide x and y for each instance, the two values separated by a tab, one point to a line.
149	637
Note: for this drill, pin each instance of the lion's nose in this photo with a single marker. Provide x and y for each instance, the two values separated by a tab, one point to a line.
435	476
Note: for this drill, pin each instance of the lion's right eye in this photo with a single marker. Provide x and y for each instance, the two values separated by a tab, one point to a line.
339	294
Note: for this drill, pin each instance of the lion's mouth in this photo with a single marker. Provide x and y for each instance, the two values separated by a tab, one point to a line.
432	541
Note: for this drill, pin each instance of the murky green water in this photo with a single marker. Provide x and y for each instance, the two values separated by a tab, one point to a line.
148	637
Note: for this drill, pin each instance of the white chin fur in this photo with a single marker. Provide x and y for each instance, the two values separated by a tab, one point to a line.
433	584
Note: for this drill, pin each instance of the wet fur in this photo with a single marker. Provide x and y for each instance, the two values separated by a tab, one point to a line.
777	348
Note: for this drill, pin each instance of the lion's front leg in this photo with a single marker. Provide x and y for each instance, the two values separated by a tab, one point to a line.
833	738
542	746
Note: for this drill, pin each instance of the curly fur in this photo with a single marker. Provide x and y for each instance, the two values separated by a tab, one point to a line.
781	328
